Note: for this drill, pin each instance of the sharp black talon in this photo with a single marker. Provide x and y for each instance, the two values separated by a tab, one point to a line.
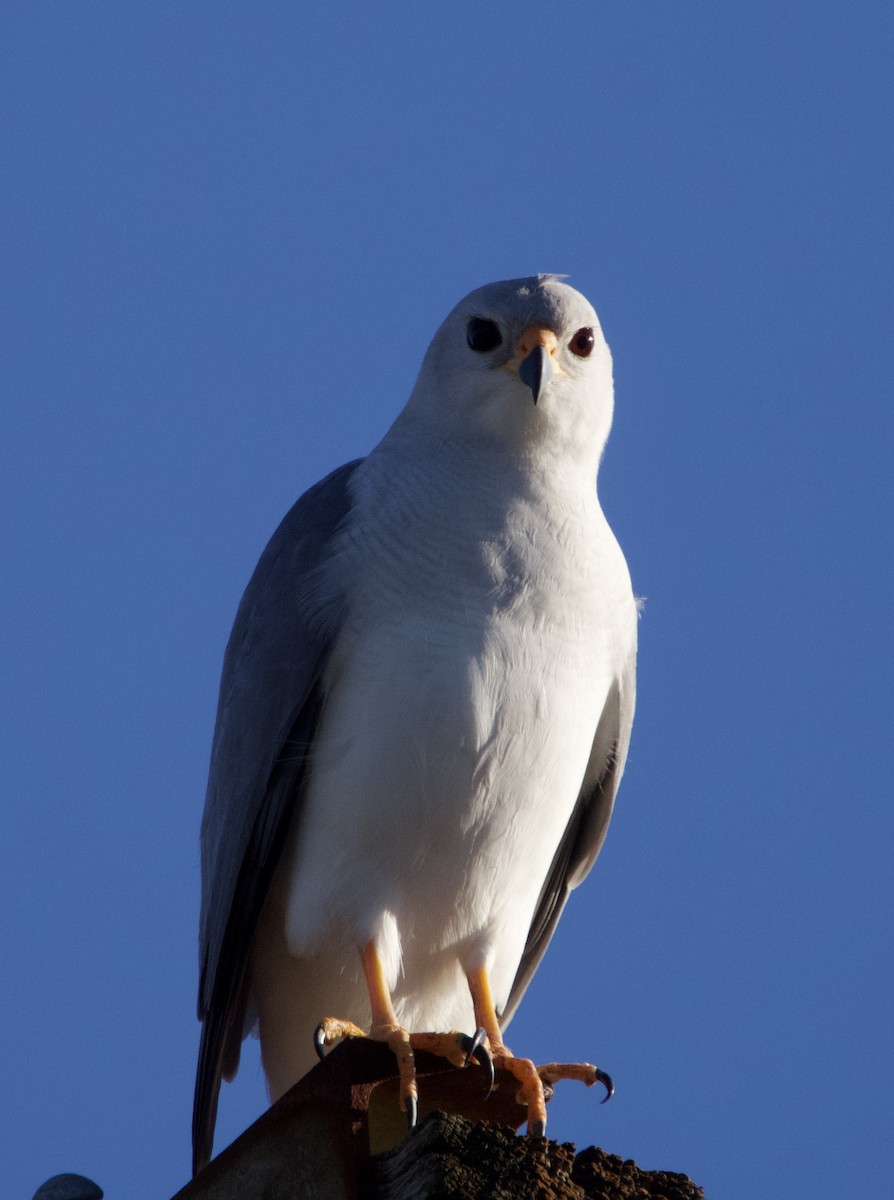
482	1056
320	1041
537	1129
475	1048
471	1044
412	1112
606	1080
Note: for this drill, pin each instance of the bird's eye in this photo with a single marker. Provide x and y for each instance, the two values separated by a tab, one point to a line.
583	342
483	335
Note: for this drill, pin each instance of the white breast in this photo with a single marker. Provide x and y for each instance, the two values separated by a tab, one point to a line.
462	699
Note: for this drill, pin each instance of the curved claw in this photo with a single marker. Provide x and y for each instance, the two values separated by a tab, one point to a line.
320	1041
537	1129
471	1044
605	1079
475	1048
412	1109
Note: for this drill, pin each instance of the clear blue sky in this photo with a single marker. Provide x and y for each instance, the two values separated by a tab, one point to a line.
229	232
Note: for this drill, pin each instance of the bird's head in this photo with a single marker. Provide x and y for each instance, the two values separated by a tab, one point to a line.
521	365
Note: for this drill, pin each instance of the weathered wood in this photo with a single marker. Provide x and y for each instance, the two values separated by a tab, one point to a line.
451	1158
316	1142
339	1135
608	1177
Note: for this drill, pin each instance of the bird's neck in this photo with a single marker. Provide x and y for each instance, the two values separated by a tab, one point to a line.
491	471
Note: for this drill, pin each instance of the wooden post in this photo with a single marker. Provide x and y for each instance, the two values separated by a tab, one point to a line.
339	1134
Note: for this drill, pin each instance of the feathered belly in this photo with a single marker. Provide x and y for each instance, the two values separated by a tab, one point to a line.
444	775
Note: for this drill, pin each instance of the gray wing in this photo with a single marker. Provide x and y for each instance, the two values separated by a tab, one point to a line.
586	830
269	705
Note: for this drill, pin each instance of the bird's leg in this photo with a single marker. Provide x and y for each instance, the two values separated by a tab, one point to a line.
386	1028
530	1092
456	1047
531	1079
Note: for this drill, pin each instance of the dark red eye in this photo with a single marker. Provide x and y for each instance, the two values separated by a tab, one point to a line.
582	342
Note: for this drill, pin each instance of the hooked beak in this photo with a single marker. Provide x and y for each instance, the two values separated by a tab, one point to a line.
533	359
536	371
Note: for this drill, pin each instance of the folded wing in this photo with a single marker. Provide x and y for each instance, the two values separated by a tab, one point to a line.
269	705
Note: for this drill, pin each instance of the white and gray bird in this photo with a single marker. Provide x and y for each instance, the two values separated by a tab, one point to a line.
424	714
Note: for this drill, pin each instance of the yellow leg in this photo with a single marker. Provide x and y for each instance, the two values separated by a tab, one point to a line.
456	1047
530	1078
386	1027
530	1091
485	1013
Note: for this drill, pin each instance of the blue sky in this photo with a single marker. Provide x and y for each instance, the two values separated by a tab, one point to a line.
229	232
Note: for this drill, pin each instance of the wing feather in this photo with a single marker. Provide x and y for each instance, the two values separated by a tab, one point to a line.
586	830
268	709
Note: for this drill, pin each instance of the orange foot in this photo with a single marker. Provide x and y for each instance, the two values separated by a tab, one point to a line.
458	1048
534	1081
531	1079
